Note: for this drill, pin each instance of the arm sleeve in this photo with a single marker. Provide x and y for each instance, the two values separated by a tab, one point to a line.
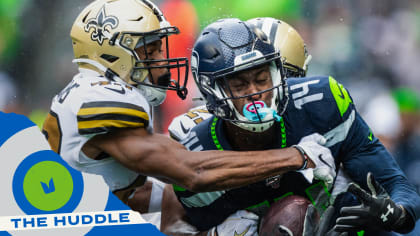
361	152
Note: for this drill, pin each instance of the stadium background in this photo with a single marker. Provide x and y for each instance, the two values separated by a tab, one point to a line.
371	46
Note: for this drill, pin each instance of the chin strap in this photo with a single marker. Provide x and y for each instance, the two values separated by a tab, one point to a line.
107	72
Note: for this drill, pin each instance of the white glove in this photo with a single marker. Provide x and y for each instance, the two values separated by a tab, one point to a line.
321	156
242	223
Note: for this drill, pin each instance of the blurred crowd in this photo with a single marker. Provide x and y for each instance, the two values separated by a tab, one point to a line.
371	46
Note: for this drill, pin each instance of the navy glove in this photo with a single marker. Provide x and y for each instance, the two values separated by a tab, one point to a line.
377	211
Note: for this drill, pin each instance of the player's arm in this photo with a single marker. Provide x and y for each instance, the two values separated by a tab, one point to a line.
361	152
366	154
159	156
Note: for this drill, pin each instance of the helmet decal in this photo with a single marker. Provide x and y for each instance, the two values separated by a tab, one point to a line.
100	25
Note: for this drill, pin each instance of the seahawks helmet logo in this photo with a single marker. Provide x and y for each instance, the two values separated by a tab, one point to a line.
101	24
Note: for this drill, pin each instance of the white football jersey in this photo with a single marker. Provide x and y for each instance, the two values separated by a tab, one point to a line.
92	105
182	124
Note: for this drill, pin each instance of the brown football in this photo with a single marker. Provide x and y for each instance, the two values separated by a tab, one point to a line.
289	212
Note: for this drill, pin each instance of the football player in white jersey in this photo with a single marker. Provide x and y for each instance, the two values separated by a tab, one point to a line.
102	121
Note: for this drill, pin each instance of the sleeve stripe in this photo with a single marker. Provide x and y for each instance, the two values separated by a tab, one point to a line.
100	117
92	112
112	104
111	120
202	199
110	116
108	123
340	132
97	130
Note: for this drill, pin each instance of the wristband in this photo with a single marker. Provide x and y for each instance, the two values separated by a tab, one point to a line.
304	157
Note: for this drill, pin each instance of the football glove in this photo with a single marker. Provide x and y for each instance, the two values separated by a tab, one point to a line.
242	223
377	211
324	170
311	227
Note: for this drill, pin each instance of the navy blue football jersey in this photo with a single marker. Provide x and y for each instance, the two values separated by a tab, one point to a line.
316	105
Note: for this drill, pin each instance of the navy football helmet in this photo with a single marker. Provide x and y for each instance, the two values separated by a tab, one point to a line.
229	46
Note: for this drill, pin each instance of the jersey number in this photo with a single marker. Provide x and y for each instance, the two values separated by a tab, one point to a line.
195	115
63	95
301	96
52	131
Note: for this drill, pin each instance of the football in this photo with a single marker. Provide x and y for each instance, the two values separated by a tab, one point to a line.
285	217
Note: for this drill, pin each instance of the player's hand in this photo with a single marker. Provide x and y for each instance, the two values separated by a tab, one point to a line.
377	211
321	156
311	226
242	223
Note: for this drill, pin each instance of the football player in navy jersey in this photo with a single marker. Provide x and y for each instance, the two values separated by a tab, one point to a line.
295	59
240	75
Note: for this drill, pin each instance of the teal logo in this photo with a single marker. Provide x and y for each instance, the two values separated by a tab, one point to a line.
43	183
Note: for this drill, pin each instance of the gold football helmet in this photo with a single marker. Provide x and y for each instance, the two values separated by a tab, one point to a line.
292	48
107	33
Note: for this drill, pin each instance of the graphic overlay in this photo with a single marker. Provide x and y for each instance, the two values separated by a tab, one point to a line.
68	220
43	184
43	195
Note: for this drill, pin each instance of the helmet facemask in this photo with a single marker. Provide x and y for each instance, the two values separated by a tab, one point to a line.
141	73
256	116
230	46
293	71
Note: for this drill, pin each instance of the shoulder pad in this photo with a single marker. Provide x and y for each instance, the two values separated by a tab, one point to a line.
107	106
319	91
182	124
319	101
